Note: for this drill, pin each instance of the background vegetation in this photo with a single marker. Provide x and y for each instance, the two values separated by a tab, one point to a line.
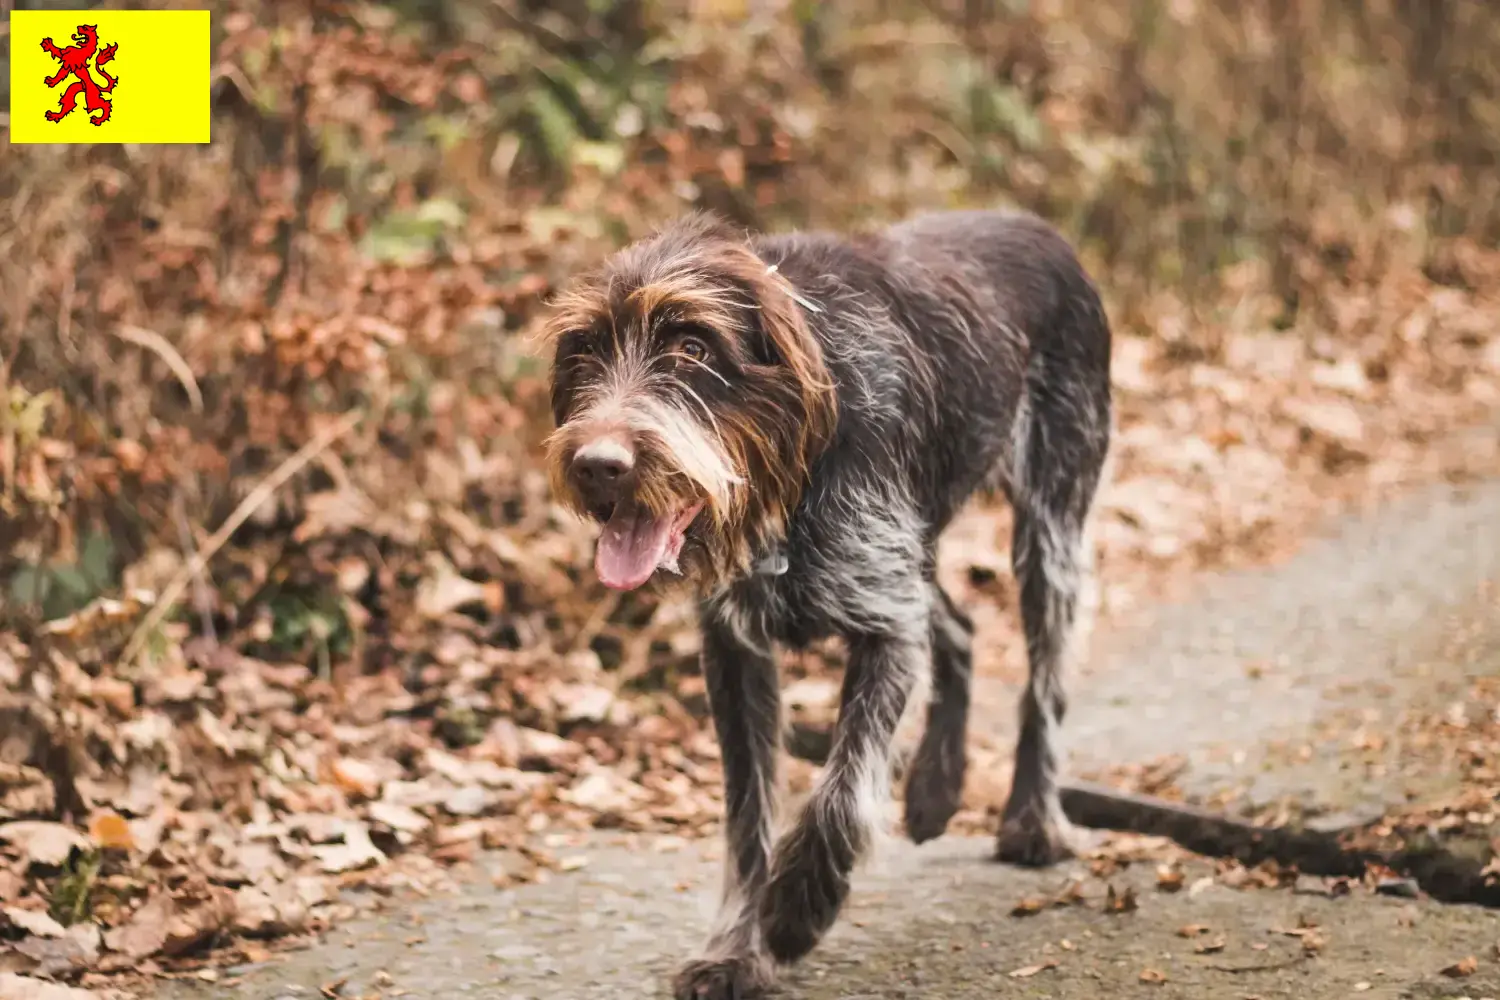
393	188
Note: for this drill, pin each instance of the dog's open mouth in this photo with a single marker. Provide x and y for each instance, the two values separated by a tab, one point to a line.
636	542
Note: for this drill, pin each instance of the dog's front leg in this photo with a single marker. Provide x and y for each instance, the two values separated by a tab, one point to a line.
744	696
810	871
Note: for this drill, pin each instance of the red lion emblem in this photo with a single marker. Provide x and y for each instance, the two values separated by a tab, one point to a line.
75	62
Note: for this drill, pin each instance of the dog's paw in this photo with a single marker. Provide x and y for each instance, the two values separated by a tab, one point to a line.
1032	840
740	977
933	794
809	883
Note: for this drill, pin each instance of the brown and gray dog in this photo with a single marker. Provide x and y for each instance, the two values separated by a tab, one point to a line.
787	423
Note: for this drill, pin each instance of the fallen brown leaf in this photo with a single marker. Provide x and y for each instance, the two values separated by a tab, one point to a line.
42	843
1027	971
1169	878
1028	907
356	851
605	792
356	777
1192	930
14	987
1463	968
146	931
445	590
398	817
1334	419
76	948
1295	932
32	922
11	885
24	790
1210	947
278	908
1153	976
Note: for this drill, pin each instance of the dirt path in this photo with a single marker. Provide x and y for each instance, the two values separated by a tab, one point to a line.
930	923
1265	667
1242	680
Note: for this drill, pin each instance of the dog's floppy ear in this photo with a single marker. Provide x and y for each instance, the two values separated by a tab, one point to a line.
782	322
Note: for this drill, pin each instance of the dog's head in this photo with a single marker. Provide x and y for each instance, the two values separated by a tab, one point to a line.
690	398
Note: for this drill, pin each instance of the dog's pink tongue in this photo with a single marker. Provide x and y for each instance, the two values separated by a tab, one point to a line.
631	547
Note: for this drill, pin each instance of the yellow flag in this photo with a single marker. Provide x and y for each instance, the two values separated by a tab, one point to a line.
109	76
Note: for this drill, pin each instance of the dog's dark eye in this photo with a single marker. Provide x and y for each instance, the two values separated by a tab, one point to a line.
693	349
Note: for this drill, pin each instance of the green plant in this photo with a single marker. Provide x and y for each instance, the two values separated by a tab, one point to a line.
72	897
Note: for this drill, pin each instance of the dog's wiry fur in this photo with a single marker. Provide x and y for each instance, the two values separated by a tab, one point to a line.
832	402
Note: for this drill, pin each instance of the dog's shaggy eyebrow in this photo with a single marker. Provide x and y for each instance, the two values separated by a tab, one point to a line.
574	309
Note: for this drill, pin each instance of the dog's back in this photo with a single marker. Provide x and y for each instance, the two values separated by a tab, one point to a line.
946	334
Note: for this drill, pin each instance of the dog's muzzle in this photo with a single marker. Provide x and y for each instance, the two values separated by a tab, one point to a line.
636	541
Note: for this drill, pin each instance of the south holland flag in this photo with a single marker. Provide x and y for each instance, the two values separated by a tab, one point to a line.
109	76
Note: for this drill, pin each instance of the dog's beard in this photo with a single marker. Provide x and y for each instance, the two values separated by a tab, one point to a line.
636	542
684	469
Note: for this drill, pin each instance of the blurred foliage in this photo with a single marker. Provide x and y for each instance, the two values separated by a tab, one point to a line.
393	189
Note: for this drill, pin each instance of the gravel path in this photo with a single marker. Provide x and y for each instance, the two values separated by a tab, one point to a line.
925	924
1359	621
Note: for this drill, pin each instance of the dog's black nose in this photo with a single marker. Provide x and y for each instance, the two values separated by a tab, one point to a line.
603	471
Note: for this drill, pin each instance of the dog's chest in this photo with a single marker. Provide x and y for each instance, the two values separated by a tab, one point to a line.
780	598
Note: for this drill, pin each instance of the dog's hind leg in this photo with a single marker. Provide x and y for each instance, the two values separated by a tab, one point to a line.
744	697
1062	444
935	779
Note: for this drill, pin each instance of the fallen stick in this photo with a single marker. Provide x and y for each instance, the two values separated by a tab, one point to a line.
1211	834
1443	875
162	348
1265	967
